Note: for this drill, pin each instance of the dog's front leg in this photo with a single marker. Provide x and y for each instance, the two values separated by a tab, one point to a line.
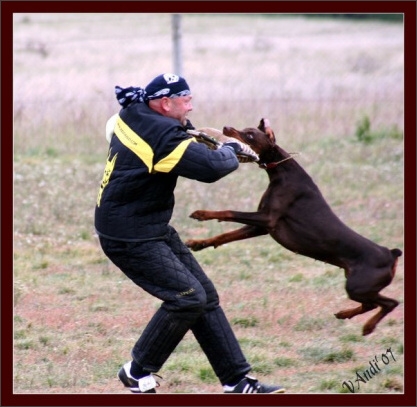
240	234
258	219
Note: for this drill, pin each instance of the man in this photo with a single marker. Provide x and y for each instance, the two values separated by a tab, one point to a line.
149	149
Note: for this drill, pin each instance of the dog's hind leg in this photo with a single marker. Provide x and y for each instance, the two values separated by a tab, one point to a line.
363	285
387	305
355	290
352	312
370	301
240	234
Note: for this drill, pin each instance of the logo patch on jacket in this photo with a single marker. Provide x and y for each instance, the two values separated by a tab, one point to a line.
108	169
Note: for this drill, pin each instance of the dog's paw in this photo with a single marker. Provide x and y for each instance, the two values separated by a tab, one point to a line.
367	329
199	215
195	245
343	314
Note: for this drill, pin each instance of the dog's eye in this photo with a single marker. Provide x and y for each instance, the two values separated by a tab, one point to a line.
250	135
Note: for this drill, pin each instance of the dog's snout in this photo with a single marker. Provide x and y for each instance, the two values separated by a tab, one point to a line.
229	131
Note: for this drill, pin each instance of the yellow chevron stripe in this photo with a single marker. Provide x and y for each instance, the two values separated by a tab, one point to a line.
171	160
144	151
134	142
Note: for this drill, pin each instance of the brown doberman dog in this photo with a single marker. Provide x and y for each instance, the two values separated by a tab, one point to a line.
294	212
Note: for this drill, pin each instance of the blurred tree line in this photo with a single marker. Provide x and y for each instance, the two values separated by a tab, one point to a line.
358	16
398	17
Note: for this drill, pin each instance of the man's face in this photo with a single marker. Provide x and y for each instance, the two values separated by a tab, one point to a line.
179	107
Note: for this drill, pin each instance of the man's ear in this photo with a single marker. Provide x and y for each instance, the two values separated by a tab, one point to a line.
165	104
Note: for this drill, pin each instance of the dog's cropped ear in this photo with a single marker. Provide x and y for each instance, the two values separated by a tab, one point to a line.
265	126
261	125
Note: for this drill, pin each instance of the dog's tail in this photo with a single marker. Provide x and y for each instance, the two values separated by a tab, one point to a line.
395	253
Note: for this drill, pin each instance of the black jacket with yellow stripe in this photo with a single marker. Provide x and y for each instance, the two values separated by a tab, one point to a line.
147	153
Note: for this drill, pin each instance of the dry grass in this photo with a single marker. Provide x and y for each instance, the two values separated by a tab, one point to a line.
311	78
76	316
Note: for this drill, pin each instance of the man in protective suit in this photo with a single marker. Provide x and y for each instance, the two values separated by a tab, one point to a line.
149	149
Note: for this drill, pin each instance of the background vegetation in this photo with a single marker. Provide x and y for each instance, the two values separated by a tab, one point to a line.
333	90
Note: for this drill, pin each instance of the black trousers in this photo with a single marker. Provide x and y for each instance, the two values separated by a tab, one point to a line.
167	269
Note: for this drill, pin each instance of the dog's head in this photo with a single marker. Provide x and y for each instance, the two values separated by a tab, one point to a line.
261	139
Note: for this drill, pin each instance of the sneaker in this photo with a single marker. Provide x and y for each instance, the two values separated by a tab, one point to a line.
251	385
145	384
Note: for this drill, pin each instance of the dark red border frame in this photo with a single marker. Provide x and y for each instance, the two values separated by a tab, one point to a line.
10	7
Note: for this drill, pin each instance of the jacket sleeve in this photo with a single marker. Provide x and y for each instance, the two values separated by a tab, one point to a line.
202	164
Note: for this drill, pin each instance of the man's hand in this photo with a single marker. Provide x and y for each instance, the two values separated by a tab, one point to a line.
243	152
188	125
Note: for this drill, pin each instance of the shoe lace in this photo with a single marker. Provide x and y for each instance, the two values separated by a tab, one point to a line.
159	377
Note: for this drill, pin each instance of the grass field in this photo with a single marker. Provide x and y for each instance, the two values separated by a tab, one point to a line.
333	91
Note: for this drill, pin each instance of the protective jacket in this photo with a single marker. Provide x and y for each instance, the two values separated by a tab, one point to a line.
146	155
